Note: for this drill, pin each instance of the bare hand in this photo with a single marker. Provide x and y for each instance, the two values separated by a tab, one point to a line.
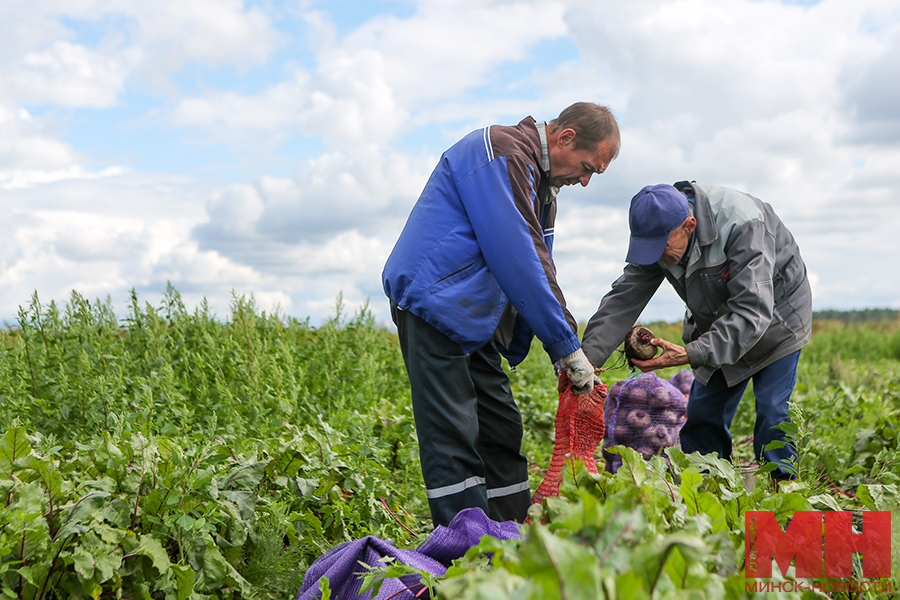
672	356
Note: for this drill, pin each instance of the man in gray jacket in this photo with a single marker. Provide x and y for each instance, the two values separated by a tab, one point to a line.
748	308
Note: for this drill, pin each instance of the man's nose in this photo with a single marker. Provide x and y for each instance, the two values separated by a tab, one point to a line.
585	179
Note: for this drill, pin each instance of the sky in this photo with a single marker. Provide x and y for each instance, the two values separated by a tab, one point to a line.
275	148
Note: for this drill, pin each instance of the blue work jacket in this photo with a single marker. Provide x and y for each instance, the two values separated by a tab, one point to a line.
478	246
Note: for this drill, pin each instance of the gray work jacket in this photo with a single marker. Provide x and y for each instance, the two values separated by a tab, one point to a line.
747	297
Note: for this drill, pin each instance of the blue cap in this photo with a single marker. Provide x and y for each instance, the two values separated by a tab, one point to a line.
656	211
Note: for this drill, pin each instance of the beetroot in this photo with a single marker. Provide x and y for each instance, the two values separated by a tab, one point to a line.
637	344
658	436
644	413
638	418
669	418
661	398
624	433
638	395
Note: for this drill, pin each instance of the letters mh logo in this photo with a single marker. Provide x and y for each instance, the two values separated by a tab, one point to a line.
821	548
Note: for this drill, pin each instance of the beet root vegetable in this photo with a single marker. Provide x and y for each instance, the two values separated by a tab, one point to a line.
635	394
638	418
624	433
658	436
637	344
669	418
647	414
660	397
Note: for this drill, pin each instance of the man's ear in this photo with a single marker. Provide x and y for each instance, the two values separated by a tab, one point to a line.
566	137
690	224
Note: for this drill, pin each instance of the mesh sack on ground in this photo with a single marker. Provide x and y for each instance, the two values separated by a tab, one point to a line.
341	565
644	413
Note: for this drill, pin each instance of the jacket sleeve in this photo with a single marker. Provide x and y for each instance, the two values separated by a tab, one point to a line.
750	252
499	199
619	311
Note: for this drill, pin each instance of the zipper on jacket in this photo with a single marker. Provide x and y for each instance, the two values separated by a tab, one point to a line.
455	273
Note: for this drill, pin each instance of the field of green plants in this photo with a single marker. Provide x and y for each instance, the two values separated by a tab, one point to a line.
177	454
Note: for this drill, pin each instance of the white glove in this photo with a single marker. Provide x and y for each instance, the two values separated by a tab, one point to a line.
580	371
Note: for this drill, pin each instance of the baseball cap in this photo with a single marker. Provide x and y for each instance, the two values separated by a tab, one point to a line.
655	212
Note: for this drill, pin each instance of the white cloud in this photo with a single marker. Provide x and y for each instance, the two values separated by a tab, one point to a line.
344	105
872	94
169	35
27	26
28	178
105	236
368	86
67	74
755	95
211	32
790	103
365	190
46	64
28	153
449	47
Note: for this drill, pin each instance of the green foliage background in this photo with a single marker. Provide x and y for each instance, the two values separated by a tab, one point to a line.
169	454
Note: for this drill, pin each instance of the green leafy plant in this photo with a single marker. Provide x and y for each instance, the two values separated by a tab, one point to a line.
174	454
652	530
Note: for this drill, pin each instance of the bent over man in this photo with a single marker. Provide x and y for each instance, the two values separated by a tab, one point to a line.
472	276
748	300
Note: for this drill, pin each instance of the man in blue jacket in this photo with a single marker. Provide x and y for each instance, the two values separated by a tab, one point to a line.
749	308
472	276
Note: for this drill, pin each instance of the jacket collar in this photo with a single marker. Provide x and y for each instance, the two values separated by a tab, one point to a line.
545	159
545	148
706	232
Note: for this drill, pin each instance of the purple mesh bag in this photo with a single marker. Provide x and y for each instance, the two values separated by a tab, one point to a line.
683	380
445	544
643	413
341	566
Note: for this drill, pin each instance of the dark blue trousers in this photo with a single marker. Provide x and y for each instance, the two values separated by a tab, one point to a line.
711	409
467	422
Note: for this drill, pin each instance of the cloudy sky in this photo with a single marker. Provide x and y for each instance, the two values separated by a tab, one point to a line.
275	147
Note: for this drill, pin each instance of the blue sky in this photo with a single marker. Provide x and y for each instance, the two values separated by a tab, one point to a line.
275	148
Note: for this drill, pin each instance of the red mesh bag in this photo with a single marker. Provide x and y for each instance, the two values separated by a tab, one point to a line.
579	429
646	414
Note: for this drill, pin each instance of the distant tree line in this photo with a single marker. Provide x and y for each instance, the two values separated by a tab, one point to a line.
857	316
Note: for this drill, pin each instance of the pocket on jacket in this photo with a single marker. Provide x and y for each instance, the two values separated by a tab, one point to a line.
775	335
714	283
689	331
454	277
789	278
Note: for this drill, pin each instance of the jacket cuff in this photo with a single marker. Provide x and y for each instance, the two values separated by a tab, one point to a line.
562	348
693	353
592	357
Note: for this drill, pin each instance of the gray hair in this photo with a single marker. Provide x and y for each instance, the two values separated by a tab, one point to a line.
592	123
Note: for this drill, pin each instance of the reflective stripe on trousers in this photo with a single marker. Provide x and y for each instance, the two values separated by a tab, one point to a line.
467	422
473	481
